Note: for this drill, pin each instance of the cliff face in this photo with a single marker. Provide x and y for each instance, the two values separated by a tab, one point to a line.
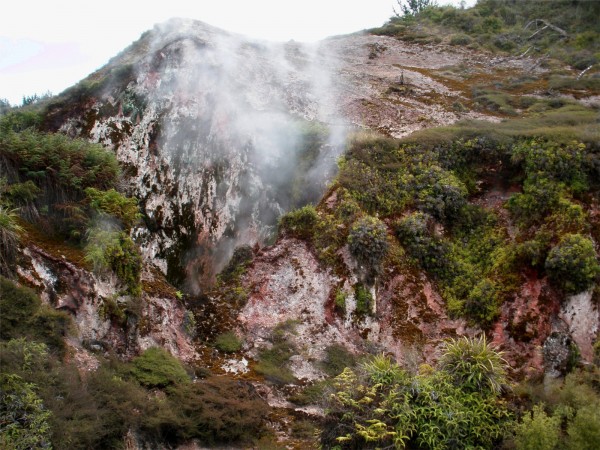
156	318
220	135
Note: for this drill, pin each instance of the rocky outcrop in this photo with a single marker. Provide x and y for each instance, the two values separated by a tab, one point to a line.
103	319
286	283
214	128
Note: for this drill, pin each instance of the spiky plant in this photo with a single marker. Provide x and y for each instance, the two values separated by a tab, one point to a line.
474	364
9	237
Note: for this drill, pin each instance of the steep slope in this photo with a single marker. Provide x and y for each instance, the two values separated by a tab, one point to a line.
221	134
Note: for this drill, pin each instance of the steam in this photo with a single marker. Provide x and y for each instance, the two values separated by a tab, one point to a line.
248	124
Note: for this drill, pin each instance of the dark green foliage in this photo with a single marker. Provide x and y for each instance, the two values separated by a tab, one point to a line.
474	365
20	194
24	315
572	264
273	361
215	410
368	243
337	358
537	431
300	222
340	301
228	342
20	120
379	405
481	304
431	252
114	204
58	160
563	413
156	368
9	238
364	300
109	249
23	418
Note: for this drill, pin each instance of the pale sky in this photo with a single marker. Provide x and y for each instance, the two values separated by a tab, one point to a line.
49	45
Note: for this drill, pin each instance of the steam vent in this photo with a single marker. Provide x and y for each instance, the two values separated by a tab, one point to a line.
387	239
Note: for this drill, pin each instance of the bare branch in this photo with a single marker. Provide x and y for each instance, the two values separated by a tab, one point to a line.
584	71
546	25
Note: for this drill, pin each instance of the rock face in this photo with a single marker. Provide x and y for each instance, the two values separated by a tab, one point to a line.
286	283
219	135
157	319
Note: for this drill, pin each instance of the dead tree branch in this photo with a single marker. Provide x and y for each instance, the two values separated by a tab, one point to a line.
547	25
584	71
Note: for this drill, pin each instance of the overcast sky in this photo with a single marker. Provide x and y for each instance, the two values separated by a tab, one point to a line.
49	45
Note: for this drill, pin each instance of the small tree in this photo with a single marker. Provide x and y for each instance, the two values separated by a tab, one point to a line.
572	264
368	242
412	7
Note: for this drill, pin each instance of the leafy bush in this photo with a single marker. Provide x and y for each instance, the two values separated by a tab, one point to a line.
340	300
70	164
473	365
537	431
572	264
363	298
115	205
273	362
215	410
431	252
228	342
368	243
156	368
23	418
482	303
337	358
109	249
300	223
379	405
460	39
24	315
9	237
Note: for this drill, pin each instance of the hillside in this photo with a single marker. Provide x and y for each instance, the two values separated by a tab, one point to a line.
383	240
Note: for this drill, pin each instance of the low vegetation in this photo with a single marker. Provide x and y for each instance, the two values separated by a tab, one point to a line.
380	405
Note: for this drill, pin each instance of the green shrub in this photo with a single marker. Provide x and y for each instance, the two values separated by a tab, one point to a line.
300	223
55	159
217	410
337	358
23	418
109	249
364	299
430	252
156	368
584	429
24	315
368	243
228	342
481	305
340	300
273	362
474	365
114	204
9	238
460	39
537	430
572	264
379	405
